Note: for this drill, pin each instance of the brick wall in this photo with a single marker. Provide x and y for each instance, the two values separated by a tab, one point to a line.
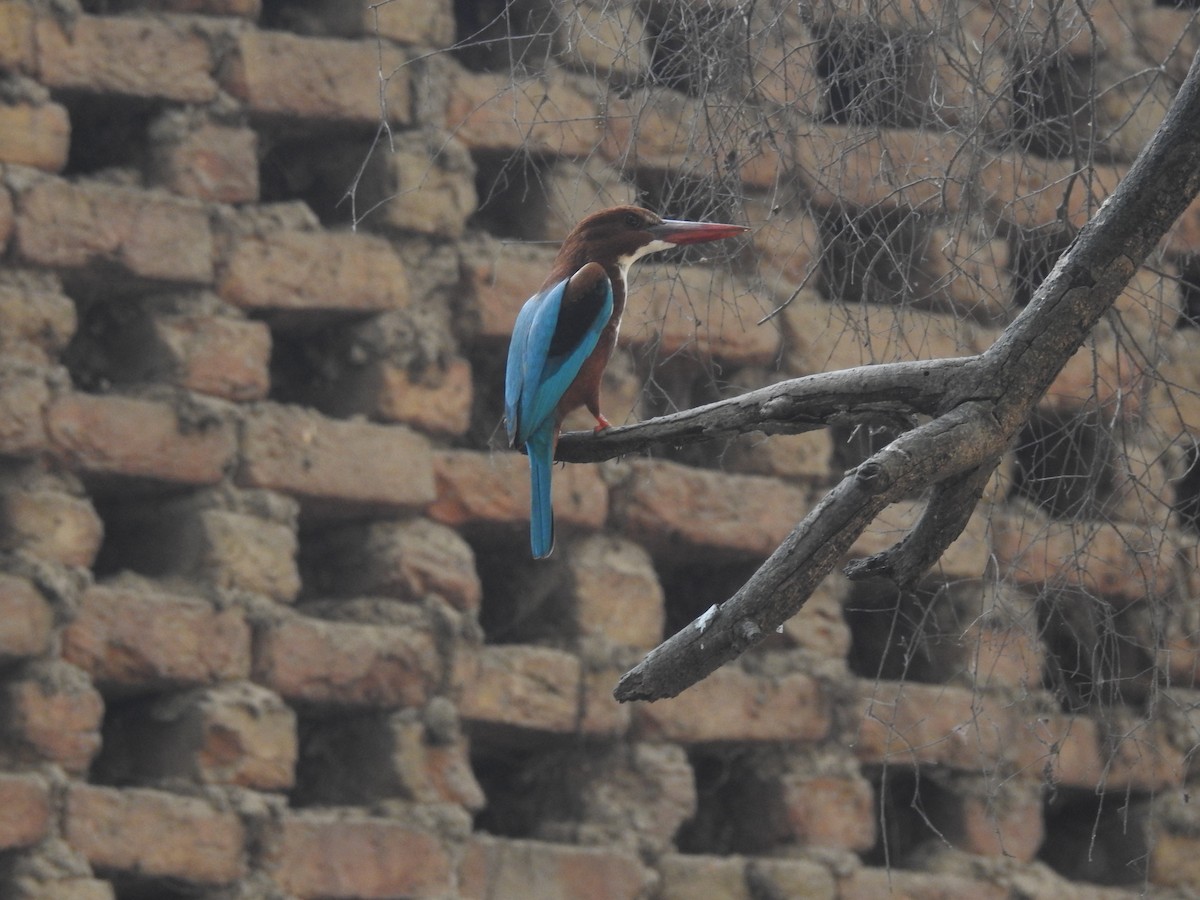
268	626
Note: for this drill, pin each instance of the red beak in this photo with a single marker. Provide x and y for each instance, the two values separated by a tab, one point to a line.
674	231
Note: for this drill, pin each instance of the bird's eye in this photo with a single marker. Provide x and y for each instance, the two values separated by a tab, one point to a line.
633	220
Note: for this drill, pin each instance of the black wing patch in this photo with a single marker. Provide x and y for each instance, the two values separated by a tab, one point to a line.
582	302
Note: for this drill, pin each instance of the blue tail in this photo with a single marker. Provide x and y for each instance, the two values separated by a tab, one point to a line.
540	448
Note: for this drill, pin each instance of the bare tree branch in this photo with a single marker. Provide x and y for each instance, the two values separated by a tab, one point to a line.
978	404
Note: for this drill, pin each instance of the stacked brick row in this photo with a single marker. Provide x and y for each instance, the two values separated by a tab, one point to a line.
267	625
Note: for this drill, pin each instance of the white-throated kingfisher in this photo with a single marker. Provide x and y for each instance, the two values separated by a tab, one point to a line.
566	332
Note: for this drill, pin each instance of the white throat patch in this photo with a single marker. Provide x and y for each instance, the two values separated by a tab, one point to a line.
624	262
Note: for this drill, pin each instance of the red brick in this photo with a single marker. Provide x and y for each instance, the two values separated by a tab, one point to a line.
204	160
154	834
691	876
321	662
140	438
436	400
615	593
332	855
37	320
869	883
700	311
26	620
49	522
675	509
1124	563
601	714
500	867
279	74
477	489
498	279
988	819
141	234
141	638
1028	192
913	724
197	538
425	184
246	9
815	810
351	465
609	39
134	57
6	218
494	112
366	759
733	705
1174	860
801	456
51	713
429	23
234	734
966	557
24	396
654	130
24	810
17	45
820	627
406	560
1104	373
787	244
791	878
37	135
216	355
313	272
519	687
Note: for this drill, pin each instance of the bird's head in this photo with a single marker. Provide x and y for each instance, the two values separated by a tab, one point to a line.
620	236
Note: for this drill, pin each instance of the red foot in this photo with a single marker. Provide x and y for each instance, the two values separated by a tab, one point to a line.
601	423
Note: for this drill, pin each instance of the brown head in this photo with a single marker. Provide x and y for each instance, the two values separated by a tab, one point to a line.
619	236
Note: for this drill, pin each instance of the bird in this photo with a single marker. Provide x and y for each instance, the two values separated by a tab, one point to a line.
566	332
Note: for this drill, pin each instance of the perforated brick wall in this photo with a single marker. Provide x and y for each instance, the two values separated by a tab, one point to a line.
268	625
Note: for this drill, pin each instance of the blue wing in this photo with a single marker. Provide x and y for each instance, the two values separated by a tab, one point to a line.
556	330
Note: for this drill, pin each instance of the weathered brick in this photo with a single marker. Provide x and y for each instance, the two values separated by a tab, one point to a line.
607	38
436	399
426	184
345	465
1027	192
501	867
367	758
697	310
615	592
476	489
216	355
37	320
37	135
489	111
979	816
140	438
346	663
406	560
331	855
804	456
50	522
141	234
820	627
155	834
674	509
24	810
686	877
1122	562
24	396
787	244
312	272
733	705
868	883
205	160
26	619
794	878
914	724
966	557
130	56
1104	373
51	713
428	23
141	638
17	46
519	688
238	734
498	279
325	79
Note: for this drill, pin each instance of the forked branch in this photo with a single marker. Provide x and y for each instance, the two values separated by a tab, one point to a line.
977	405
